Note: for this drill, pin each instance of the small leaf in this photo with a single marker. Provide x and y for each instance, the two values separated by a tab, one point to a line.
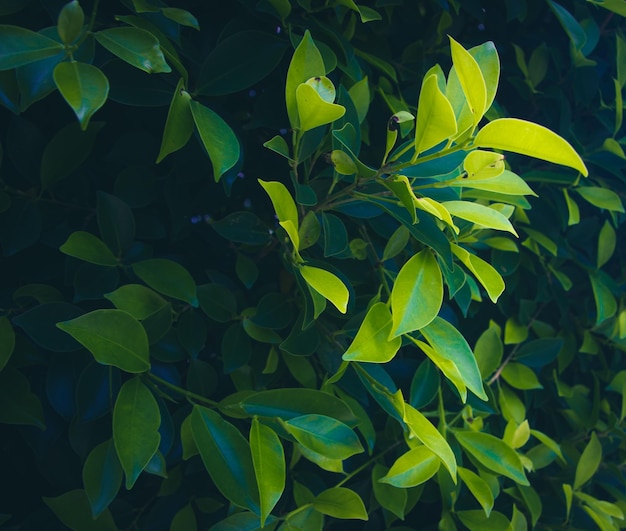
282	200
102	476
589	461
481	215
520	376
606	305
278	144
479	489
485	273
328	285
113	337
268	459
179	123
340	502
181	16
324	435
136	421
527	138
169	278
226	456
492	453
314	109
217	137
471	80
419	280
413	468
70	22
137	47
371	343
20	46
137	300
85	246
435	117
606	244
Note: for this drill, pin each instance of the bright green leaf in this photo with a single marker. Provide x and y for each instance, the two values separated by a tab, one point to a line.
137	47
113	337
324	435
136	420
485	273
589	461
85	246
179	124
328	285
391	498
479	489
70	22
169	278
481	215
371	343
520	377
601	197
471	80
340	502
413	468
435	118
313	108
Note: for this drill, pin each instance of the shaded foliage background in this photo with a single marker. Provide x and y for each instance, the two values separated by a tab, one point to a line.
561	316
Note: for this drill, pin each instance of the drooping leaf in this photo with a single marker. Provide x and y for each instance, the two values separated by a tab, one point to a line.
20	46
371	343
340	502
492	453
137	47
435	117
90	248
169	278
217	137
114	337
268	459
179	124
417	294
527	138
589	461
391	498
136	421
328	285
481	215
471	80
485	273
479	489
226	456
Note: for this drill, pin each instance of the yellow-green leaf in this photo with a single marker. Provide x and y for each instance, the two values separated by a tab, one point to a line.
328	285
371	343
435	117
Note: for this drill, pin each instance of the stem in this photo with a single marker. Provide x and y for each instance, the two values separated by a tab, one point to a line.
184	392
428	158
92	18
367	463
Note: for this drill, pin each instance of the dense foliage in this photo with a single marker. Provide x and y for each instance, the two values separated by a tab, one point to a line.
312	264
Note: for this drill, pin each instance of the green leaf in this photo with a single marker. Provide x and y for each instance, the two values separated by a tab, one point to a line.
340	502
68	149
475	520
481	215
606	305
282	200
471	80
601	197
306	63
137	300
70	22
288	403
422	429
324	435
371	343
217	137
137	47
493	453
181	16
435	117
19	404
589	461
217	301
240	61
179	124
527	138
413	468
169	278
419	279
184	520
85	246
136	421
226	456
451	345
102	476
268	459
20	46
113	337
396	244
506	183
520	377
242	227
485	273
488	350
328	285
116	223
7	341
574	30
479	489
278	144
315	103
73	509
391	498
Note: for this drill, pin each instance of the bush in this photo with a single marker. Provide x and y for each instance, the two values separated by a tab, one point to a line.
269	324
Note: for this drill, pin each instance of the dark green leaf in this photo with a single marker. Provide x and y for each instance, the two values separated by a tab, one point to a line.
19	404
116	223
136	421
239	61
73	509
85	246
113	337
179	123
102	476
70	22
217	301
236	348
242	227
226	456
40	324
7	341
137	47
169	278
324	435
20	46
137	300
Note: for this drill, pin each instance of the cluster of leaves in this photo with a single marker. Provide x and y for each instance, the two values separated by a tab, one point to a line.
167	350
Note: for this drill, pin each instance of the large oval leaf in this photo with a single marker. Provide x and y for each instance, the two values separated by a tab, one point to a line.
226	456
113	337
217	137
137	47
340	502
168	277
84	87
527	138
324	435
417	294
19	46
268	458
371	343
136	421
493	453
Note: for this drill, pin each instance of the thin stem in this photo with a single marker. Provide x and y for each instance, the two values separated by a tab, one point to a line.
92	18
427	158
368	463
184	392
